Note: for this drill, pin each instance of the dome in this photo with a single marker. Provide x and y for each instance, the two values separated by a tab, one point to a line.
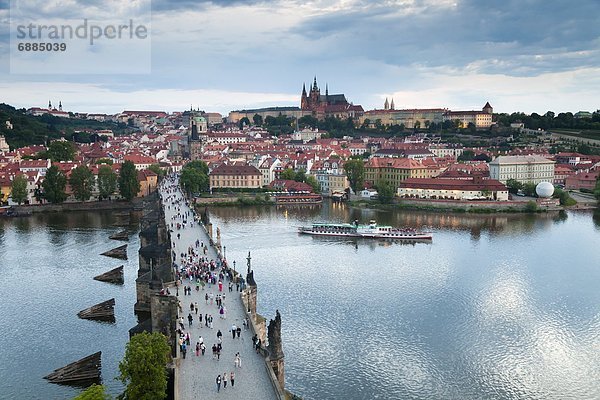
544	189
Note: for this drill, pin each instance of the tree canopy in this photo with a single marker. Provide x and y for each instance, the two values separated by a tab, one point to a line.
355	171
385	191
55	183
194	177
129	186
82	182
94	392
60	151
143	368
157	170
513	186
107	181
312	181
288	174
19	189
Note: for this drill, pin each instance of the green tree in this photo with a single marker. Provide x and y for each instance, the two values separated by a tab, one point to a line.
244	122
82	182
597	188
61	151
308	121
157	170
94	392
529	189
194	177
300	176
513	186
55	183
312	181
129	186
531	206
104	161
198	165
143	368
467	155
288	174
563	196
19	189
257	119
355	171
385	191
107	181
192	180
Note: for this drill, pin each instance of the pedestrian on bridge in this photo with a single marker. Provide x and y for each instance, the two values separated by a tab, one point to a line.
218	381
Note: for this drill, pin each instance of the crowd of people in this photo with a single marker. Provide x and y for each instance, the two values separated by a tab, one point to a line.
199	276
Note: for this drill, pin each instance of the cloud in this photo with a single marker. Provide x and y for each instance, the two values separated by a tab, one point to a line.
556	91
432	34
108	100
464	51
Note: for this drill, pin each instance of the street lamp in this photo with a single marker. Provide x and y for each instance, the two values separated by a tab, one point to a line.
234	270
225	252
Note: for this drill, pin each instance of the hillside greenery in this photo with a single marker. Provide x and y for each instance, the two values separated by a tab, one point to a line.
29	130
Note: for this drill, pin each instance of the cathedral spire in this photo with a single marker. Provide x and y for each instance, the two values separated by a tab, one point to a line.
304	90
315	83
326	89
386	105
49	105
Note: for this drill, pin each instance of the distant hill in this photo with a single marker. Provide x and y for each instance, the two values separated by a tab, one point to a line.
28	130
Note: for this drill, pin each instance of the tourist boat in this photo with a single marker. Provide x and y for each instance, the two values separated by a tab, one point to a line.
372	230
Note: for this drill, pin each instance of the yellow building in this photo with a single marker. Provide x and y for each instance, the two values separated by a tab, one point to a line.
148	182
481	119
395	170
5	189
409	117
235	176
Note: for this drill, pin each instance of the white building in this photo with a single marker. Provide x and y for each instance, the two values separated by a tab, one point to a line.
267	169
445	150
4	148
524	169
307	135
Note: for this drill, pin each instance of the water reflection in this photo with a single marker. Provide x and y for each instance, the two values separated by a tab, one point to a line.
335	212
48	261
495	307
596	218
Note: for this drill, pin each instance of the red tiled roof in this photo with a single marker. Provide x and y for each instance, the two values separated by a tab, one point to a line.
225	169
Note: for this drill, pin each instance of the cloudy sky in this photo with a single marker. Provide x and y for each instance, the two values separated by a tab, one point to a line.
520	55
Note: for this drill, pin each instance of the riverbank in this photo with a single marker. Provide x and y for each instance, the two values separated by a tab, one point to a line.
80	206
444	206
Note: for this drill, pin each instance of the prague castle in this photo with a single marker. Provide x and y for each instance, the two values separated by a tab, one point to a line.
328	105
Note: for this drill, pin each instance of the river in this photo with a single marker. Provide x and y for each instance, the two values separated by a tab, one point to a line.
495	307
47	263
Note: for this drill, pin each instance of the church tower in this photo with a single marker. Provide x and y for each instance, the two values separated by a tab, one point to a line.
386	105
304	98
315	94
488	109
392	106
59	105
